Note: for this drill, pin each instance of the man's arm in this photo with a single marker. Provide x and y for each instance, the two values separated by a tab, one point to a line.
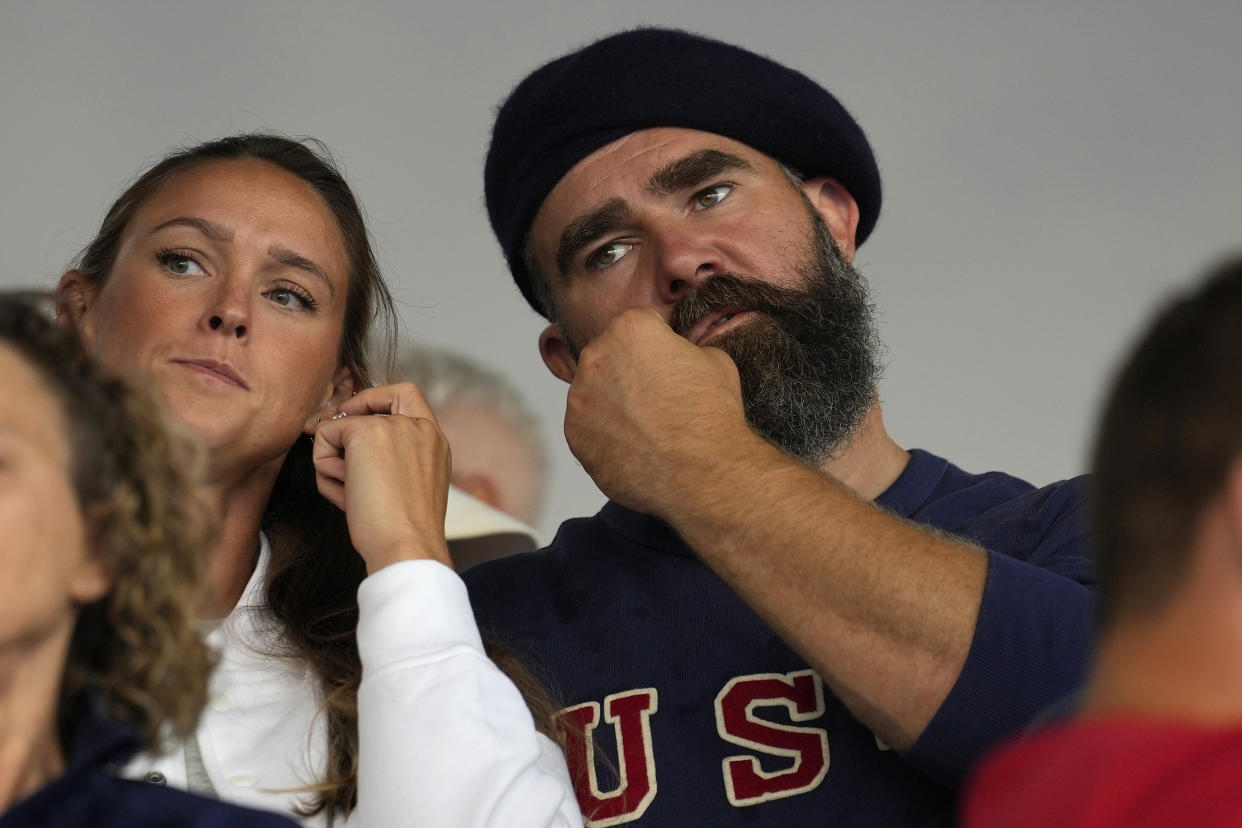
885	610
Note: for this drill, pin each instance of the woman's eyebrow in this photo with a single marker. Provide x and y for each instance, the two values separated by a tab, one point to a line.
289	258
219	233
211	230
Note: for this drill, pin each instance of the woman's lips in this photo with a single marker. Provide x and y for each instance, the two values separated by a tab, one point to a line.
220	370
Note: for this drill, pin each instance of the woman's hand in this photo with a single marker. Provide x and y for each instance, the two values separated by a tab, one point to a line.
389	473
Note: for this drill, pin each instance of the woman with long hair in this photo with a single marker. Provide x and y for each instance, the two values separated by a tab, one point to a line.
103	542
237	277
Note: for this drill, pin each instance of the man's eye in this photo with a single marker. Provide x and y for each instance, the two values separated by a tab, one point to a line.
608	255
712	196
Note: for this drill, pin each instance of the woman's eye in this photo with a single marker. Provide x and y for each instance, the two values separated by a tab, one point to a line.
289	298
285	298
179	265
608	255
712	196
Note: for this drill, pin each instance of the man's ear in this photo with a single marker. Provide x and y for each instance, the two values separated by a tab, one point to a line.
341	389
1232	491
838	208
74	298
556	354
480	486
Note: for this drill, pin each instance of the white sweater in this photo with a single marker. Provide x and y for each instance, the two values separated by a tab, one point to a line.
444	737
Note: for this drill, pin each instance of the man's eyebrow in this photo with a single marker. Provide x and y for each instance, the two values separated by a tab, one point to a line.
696	168
586	228
296	260
213	231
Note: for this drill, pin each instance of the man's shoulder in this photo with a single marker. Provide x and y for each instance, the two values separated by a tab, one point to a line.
573	535
990	506
980	491
524	578
586	561
615	539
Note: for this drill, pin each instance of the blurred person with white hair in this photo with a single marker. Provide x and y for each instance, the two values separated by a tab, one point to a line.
500	462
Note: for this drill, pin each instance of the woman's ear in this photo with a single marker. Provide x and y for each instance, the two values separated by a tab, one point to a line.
556	354
91	577
74	297
341	389
91	581
838	208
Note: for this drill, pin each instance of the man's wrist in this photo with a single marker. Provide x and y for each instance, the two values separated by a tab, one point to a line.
711	487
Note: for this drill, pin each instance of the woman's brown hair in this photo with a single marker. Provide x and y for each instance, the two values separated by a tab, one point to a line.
315	572
135	648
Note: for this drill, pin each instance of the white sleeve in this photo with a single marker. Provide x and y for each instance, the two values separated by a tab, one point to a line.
444	736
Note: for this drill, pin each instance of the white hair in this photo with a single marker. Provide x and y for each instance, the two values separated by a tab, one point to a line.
448	379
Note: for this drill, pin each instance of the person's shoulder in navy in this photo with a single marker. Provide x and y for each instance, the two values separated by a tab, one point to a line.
562	582
1046	526
89	793
1033	631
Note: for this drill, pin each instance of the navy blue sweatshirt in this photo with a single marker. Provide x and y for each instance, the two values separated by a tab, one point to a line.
710	719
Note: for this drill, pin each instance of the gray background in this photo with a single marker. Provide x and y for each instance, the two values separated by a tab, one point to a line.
1051	169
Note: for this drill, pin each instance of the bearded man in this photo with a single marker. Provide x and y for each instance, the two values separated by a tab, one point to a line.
782	617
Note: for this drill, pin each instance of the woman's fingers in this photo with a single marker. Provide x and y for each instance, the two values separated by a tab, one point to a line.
332	468
332	489
399	398
390	475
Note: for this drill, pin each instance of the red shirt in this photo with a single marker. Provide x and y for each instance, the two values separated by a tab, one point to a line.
1111	772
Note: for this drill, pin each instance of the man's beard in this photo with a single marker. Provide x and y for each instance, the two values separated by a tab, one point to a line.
809	360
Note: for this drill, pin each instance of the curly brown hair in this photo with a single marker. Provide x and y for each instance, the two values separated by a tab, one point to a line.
135	648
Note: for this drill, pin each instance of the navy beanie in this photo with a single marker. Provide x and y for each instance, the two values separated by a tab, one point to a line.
651	77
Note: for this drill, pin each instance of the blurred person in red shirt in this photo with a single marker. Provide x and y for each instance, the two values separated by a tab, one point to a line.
1157	736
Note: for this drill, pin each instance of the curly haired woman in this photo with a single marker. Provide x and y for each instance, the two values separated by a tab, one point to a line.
103	541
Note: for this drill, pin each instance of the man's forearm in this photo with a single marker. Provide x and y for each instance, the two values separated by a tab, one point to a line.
885	610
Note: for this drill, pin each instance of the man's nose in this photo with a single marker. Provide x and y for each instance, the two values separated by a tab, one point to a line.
686	258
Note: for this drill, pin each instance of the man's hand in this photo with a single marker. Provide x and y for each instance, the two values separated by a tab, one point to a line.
646	403
884	610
